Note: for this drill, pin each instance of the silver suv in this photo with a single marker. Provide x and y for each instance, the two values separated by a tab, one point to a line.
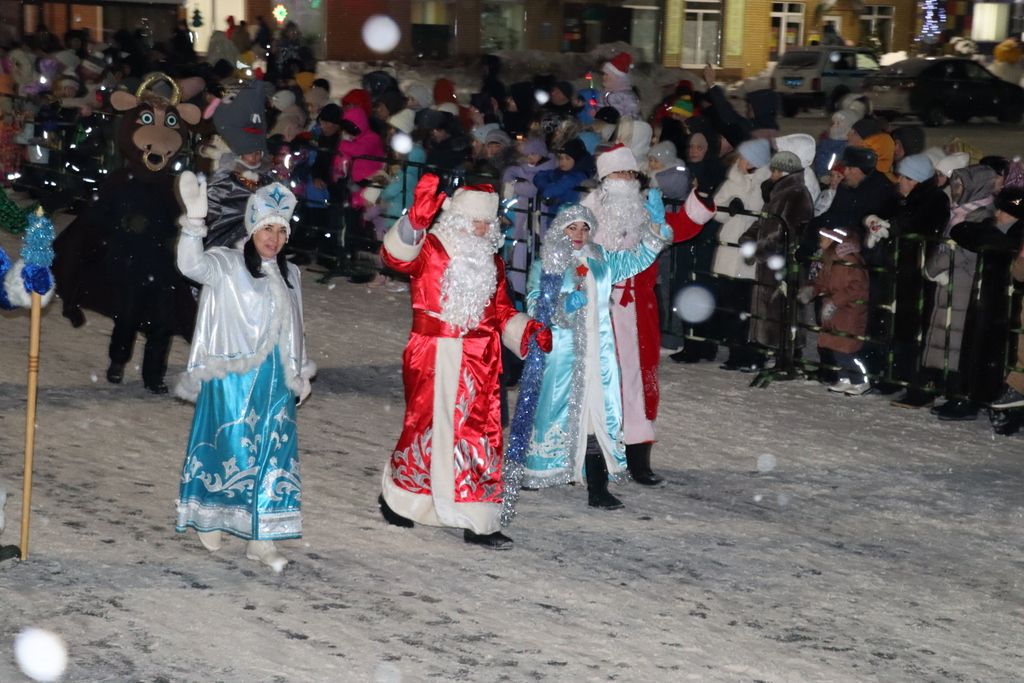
820	75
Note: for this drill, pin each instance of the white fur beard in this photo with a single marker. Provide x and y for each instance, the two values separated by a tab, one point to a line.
621	216
471	277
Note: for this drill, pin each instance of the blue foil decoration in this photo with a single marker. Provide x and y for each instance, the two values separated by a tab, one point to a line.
36	278
38	247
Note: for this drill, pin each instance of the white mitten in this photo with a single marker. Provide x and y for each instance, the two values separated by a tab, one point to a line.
192	189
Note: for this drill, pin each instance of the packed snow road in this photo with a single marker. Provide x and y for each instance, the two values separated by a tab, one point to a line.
802	537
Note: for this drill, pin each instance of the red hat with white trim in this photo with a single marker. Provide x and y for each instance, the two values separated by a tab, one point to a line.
477	202
619	65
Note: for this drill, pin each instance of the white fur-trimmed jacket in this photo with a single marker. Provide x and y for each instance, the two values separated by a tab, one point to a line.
241	318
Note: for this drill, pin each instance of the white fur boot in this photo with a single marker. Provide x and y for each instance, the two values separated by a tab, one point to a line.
210	540
266	552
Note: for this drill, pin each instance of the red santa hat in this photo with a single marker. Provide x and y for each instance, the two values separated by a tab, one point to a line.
476	202
619	65
617	158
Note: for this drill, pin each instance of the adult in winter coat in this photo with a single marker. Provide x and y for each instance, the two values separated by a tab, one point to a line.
448	468
575	433
842	284
996	241
1008	410
788	207
922	212
735	279
803	146
246	369
618	206
953	268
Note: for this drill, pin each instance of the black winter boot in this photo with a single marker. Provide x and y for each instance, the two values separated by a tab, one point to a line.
392	517
494	541
115	373
597	478
638	459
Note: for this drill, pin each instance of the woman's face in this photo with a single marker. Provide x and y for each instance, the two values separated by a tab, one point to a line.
270	240
578	233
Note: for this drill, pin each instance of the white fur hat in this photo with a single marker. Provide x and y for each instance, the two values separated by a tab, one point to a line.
952	162
618	158
271	204
476	202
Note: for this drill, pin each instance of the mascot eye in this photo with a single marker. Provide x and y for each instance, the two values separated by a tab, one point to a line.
146	118
171	121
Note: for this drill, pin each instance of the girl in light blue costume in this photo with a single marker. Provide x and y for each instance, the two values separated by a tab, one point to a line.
568	422
247	366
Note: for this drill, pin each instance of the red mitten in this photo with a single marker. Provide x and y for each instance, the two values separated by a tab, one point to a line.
426	201
541	333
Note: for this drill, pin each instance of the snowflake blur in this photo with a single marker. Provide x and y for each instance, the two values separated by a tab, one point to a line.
694	304
41	655
381	34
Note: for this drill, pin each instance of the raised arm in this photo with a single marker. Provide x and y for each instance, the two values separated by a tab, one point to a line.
193	262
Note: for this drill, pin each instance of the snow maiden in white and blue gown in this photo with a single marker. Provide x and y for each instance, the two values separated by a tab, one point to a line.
247	365
573	391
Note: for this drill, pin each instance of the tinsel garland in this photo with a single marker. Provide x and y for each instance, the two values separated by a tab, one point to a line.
13	218
521	429
38	247
5	265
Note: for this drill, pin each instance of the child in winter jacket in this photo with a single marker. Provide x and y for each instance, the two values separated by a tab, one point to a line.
558	186
843	286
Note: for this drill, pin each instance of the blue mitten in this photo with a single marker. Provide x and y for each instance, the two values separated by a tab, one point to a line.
575	301
655	206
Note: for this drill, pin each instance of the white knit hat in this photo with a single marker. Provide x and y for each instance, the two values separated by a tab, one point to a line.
271	204
476	202
404	120
618	158
952	162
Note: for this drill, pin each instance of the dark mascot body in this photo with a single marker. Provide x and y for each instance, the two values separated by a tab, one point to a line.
117	257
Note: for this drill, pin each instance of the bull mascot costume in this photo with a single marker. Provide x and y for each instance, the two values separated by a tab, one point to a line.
117	257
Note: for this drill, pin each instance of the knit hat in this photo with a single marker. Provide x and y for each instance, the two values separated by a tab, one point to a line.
952	162
566	88
911	137
393	101
867	127
577	150
757	152
534	146
271	204
480	132
1015	174
787	162
842	122
936	154
304	79
618	65
477	202
420	93
242	122
665	153
403	121
282	99
357	97
1011	200
617	158
916	167
331	113
683	107
860	157
608	115
444	91
498	136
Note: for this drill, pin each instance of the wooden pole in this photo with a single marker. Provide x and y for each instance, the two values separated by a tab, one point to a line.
30	419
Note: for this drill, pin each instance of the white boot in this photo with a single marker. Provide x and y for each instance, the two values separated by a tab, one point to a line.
210	540
266	552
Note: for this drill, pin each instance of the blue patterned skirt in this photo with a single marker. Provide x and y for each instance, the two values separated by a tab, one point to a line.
241	471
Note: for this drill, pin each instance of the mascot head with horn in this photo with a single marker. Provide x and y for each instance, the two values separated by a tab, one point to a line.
154	126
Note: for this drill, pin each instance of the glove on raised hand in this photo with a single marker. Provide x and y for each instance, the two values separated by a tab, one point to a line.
426	201
535	330
575	301
192	190
655	206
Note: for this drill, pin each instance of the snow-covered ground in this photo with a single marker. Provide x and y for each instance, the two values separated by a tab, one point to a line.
802	536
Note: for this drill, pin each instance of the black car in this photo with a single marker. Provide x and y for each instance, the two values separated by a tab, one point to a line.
935	89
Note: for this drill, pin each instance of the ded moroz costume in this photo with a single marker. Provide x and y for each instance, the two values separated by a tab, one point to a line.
448	467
